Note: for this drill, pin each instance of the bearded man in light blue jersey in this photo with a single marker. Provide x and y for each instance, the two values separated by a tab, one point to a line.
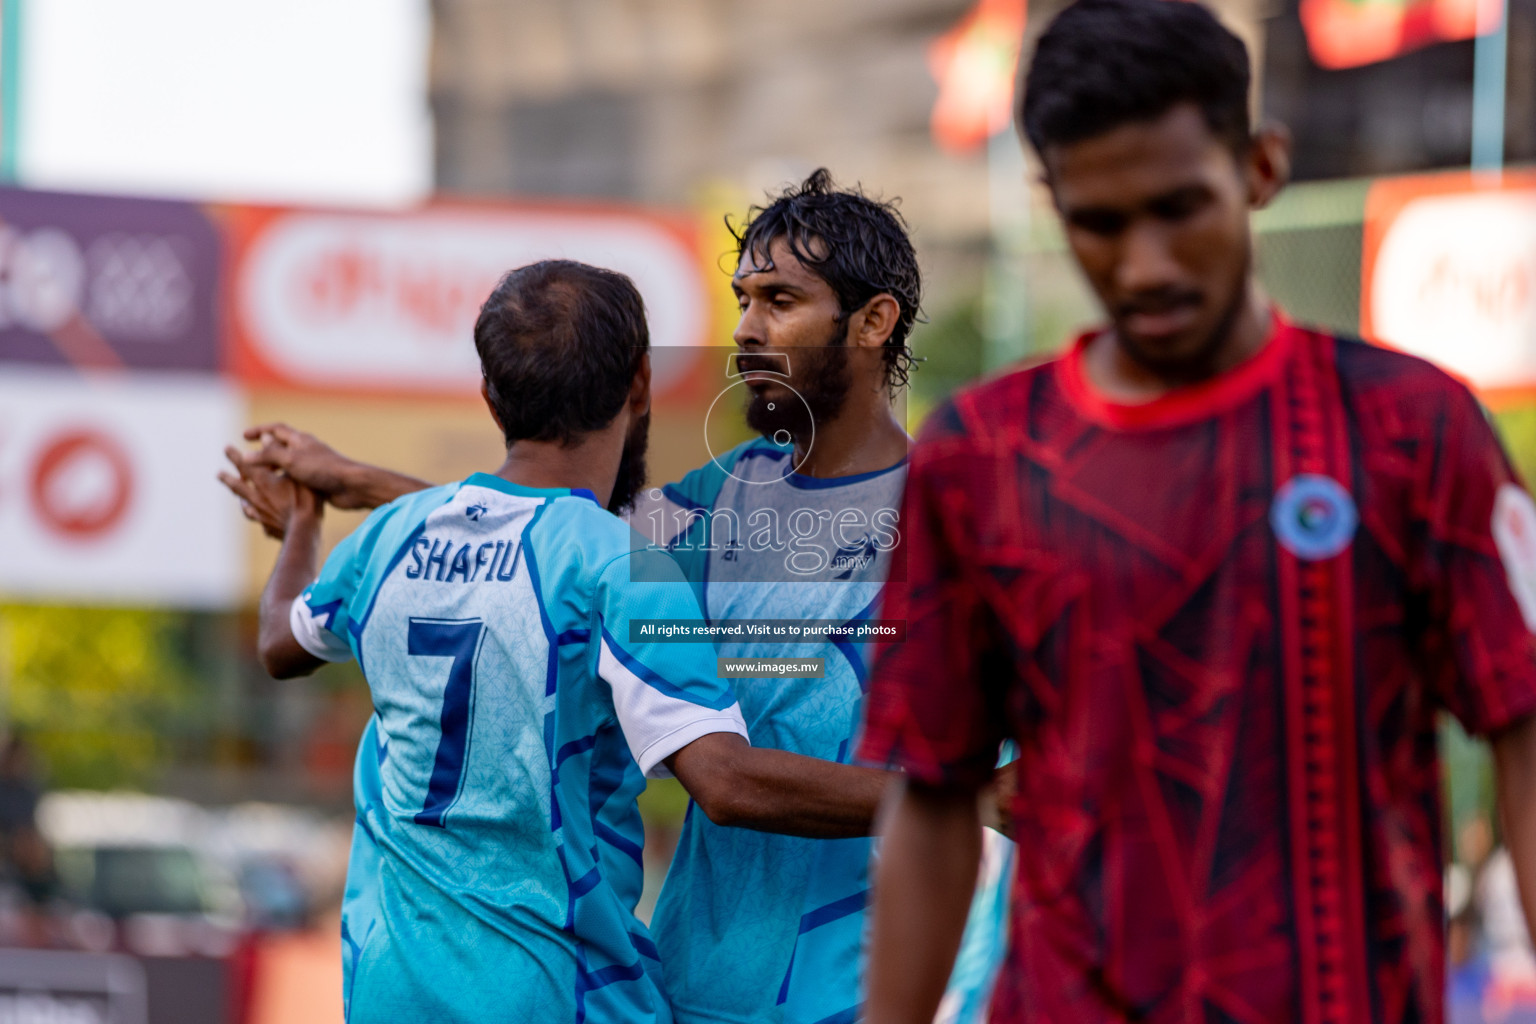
496	860
796	525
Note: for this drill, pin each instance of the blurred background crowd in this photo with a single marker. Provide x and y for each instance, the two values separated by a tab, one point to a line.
214	215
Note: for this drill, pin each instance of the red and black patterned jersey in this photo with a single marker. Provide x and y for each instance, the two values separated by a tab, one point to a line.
1219	626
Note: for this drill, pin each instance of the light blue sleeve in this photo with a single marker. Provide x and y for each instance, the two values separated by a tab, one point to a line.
320	615
665	694
326	617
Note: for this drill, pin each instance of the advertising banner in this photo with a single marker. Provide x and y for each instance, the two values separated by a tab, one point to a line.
386	304
108	492
1450	275
134	332
99	281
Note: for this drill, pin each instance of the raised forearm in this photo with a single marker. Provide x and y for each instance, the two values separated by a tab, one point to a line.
1514	752
926	875
775	791
297	562
368	487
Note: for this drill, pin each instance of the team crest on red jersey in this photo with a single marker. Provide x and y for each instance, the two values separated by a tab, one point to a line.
1313	517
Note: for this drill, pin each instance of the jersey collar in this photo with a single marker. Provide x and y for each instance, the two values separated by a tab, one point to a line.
1182	405
496	483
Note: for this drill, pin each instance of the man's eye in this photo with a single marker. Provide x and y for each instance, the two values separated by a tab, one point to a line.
1099	223
1179	207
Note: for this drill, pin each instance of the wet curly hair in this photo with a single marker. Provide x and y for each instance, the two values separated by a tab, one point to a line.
858	245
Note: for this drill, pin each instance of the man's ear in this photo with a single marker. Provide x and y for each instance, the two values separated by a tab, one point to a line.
640	388
485	393
872	325
1269	163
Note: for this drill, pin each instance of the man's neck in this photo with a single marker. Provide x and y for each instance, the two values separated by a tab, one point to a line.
586	465
864	437
1118	374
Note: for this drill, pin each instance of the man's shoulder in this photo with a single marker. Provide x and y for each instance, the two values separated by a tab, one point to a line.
980	412
583	527
1406	393
1365	364
698	488
397	519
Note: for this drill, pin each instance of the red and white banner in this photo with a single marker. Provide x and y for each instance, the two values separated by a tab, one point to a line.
108	492
386	304
1450	275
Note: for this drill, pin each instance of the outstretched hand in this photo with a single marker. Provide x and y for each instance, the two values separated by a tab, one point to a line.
268	496
306	460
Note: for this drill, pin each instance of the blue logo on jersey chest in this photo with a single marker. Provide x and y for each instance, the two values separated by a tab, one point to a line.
1314	517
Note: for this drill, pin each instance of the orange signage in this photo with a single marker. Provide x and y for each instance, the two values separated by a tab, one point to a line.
1450	274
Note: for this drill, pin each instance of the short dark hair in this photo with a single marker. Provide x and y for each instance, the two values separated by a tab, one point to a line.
856	244
560	343
1102	64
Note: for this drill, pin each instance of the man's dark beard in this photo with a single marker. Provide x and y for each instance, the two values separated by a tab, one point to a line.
1199	365
631	467
822	381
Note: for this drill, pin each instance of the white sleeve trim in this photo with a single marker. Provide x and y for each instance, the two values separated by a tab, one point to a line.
312	635
651	762
655	725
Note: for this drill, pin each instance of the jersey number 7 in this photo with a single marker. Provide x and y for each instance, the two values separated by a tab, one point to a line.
458	639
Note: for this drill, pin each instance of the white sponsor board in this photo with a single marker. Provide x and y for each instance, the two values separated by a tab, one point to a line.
1454	281
388	303
108	492
269	100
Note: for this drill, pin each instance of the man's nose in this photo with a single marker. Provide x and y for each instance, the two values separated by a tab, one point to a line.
748	329
1146	260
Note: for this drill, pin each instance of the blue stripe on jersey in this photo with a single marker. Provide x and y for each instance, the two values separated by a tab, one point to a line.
573	636
354	950
329	610
556	818
588	980
605	780
679	498
646	947
761	449
814	919
538	594
356	626
848	1016
832	911
816	483
852	652
720	703
573	748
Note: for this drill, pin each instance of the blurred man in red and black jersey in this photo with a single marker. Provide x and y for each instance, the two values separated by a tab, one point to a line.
1216	574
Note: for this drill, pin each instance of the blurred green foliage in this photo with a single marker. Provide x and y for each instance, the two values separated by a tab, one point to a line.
1517	425
951	348
102	694
663	803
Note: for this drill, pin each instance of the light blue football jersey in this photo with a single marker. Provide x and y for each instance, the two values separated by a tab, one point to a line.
769	928
752	926
496	858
